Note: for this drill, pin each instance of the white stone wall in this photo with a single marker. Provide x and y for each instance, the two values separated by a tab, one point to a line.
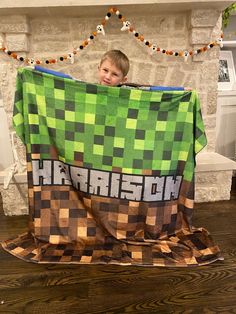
213	186
42	37
52	36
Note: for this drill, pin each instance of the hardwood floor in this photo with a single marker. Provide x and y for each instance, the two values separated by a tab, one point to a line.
69	289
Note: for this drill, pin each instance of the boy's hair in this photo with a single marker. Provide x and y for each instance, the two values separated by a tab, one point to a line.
117	57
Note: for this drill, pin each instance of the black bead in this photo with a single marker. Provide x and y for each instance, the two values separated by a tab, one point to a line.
109	14
61	58
47	61
147	43
9	53
21	59
211	45
199	50
163	51
136	34
91	37
81	47
176	54
120	16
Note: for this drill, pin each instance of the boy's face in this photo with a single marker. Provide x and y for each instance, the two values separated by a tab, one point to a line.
109	74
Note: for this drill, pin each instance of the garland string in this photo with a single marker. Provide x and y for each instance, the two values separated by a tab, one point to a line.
100	29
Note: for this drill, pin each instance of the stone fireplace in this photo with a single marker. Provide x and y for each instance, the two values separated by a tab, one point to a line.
45	29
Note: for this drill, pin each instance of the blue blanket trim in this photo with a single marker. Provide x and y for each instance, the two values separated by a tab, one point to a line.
56	73
166	88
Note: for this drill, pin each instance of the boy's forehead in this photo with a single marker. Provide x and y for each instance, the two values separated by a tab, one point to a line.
110	63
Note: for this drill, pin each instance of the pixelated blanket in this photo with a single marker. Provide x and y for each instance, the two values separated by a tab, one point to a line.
110	174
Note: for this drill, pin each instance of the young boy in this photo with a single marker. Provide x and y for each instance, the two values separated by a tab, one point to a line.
113	68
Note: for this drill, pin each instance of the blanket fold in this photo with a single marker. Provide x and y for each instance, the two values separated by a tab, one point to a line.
110	174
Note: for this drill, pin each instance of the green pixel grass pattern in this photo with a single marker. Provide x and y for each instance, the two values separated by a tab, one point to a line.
130	129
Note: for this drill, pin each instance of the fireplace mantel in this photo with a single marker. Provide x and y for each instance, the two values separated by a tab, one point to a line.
94	7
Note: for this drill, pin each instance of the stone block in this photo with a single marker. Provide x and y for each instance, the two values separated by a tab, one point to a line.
203	102
210	54
211	194
175	76
211	139
177	44
15	199
160	74
209	72
17	42
164	23
14	24
2	39
142	73
213	186
49	26
210	121
81	28
180	22
191	81
200	36
204	18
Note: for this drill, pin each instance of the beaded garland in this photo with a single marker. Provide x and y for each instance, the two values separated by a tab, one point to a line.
126	26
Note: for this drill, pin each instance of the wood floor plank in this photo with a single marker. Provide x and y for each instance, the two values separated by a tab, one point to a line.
53	299
69	289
